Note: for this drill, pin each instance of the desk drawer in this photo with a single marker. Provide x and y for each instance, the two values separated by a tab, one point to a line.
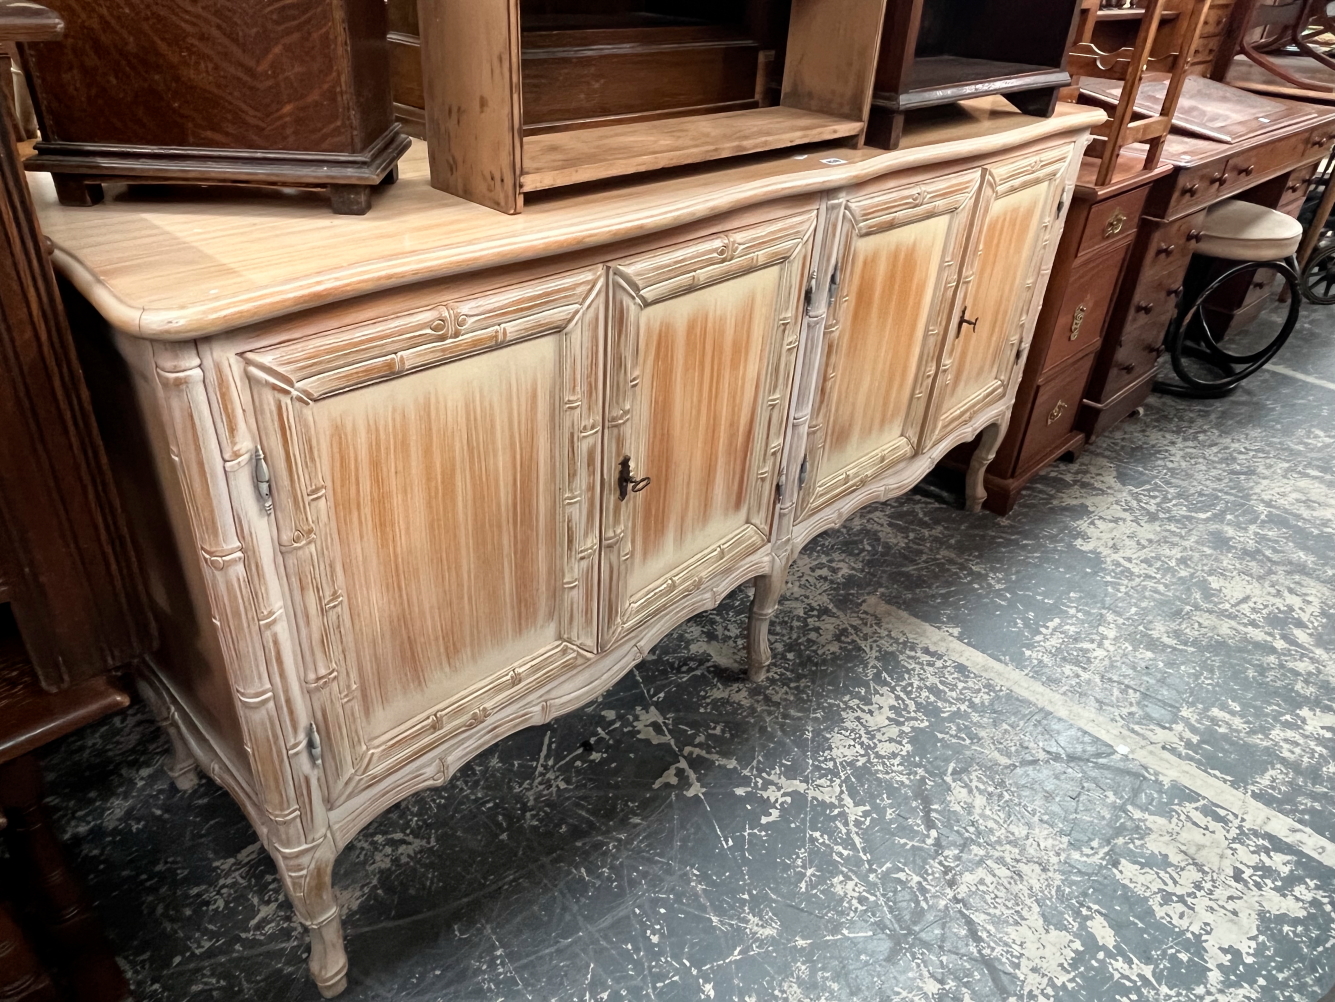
1113	219
1138	350
1053	415
1084	310
1215	20
1295	191
1168	251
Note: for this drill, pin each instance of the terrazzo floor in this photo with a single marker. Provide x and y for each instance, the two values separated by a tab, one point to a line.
1081	753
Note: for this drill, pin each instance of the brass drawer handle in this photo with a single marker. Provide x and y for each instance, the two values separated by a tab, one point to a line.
1078	321
1194	236
1165	249
1056	412
1246	171
1129	367
1115	223
1318	141
1191	189
1219	178
1175	291
1143	307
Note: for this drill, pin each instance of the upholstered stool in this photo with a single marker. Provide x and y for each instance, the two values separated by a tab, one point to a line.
1255	237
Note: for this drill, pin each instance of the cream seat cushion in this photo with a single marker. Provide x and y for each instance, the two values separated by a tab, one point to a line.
1241	231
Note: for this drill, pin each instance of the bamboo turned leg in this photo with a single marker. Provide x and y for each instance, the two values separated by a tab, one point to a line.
181	766
975	487
58	895
769	589
309	880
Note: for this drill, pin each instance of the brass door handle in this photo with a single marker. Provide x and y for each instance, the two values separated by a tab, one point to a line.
628	484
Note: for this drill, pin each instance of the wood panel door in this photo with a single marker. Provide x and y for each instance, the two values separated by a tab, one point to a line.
898	264
1017	215
434	484
700	367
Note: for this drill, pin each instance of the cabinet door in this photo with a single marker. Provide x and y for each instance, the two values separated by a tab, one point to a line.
434	490
700	366
897	268
1017	217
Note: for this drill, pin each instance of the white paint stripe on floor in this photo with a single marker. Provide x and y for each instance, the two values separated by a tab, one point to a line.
1146	752
1301	375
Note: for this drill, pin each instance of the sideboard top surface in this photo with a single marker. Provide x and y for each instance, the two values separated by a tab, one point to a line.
169	264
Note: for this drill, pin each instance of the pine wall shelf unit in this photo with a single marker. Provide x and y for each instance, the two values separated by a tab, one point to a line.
473	66
438	474
587	65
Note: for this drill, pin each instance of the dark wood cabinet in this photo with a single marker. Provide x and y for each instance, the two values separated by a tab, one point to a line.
217	91
936	52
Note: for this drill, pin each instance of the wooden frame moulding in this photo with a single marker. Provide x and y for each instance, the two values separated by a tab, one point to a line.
471	67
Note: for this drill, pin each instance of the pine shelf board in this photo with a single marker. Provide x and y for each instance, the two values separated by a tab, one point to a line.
554	160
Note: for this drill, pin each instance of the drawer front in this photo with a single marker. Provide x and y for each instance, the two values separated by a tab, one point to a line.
1196	186
1215	20
1138	348
1084	310
1295	191
1113	219
1055	408
1167	253
1247	168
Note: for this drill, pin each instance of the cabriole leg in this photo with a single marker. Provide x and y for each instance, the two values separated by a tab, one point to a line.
769	589
181	765
308	877
975	487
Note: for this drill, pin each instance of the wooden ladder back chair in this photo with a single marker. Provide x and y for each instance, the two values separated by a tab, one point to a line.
1161	46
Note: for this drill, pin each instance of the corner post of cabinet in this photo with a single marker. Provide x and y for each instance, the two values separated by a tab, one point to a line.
471	82
247	628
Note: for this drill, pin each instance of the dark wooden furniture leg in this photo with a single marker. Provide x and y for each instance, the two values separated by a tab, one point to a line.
72	189
350	199
1039	103
22	977
54	891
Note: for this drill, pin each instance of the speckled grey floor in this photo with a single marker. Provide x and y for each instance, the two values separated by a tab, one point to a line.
884	819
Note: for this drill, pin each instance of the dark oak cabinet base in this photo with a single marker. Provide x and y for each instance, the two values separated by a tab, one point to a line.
80	170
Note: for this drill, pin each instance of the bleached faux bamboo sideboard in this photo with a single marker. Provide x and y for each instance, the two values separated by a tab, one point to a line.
407	483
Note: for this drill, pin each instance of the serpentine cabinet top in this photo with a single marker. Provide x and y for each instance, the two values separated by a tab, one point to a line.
172	264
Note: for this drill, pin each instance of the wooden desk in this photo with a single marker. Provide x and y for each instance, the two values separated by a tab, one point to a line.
1271	170
437	474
